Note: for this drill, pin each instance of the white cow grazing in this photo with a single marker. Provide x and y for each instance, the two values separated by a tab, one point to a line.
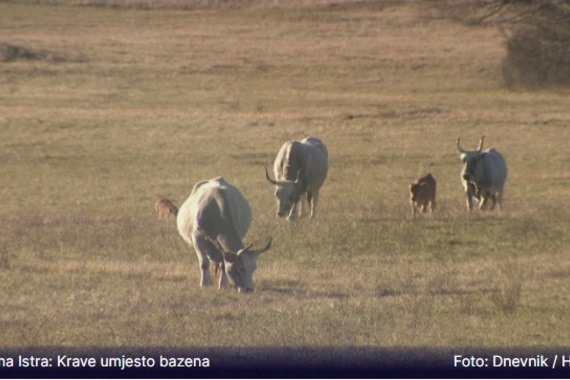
300	167
483	176
214	219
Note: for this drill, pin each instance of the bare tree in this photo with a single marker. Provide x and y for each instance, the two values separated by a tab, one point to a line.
537	36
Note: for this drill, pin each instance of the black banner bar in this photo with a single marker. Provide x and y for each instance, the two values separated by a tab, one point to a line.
284	362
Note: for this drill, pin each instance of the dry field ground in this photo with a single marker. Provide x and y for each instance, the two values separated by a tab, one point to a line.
104	108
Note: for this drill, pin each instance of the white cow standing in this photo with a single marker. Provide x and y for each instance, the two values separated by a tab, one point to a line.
300	168
483	176
214	219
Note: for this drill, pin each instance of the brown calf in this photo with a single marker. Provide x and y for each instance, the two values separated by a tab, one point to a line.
422	193
165	209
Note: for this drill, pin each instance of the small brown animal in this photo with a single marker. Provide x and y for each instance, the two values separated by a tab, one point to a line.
422	192
165	209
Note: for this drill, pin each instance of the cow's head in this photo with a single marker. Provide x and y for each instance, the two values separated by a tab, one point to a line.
288	193
240	265
415	189
472	170
469	158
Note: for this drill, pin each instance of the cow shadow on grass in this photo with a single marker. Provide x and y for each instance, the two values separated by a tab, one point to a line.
299	289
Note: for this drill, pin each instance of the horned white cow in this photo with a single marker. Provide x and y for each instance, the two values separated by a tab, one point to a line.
483	176
300	168
214	219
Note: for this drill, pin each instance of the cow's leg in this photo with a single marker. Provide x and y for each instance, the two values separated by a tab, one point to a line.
314	200
494	199
470	192
301	206
483	201
305	204
499	197
223	277
432	205
202	246
469	201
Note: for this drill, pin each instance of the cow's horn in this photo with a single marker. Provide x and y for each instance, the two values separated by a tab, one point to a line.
246	249
256	251
266	248
272	181
481	144
459	148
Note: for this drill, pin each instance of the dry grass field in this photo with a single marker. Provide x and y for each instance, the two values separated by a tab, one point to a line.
102	109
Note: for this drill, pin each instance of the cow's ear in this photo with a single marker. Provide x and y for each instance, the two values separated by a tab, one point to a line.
230	257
